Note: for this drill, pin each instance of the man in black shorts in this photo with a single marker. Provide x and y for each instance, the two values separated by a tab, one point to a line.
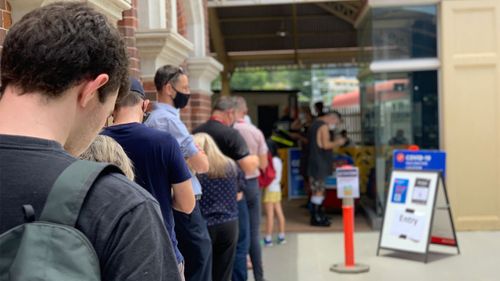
320	147
62	68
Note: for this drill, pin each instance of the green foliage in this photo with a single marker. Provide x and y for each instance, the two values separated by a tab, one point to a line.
261	79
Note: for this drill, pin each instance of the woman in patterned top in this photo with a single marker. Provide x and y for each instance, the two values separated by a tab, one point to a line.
221	189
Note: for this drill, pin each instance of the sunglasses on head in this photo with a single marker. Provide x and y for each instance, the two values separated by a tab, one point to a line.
179	71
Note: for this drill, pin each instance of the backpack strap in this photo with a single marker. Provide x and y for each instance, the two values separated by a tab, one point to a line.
70	189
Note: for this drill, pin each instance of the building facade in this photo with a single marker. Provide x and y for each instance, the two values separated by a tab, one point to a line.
156	32
433	74
458	63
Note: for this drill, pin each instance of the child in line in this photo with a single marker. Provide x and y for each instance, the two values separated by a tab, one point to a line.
272	200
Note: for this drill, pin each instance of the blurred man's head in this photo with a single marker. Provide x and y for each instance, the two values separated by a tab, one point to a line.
241	108
319	108
132	105
333	118
224	110
400	133
172	85
65	57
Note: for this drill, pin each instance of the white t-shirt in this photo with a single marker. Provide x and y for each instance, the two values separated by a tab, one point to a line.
275	185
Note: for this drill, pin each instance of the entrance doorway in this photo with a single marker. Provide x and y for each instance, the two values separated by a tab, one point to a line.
267	115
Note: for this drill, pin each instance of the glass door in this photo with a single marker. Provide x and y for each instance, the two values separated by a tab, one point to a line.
398	109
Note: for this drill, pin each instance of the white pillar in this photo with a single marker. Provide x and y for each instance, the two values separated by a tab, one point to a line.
156	37
202	71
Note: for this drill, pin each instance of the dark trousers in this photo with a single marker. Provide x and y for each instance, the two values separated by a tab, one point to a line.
224	239
195	245
240	271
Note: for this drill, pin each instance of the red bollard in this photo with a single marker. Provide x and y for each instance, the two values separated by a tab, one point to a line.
348	216
349	266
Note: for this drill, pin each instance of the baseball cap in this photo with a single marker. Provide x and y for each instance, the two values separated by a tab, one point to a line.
136	86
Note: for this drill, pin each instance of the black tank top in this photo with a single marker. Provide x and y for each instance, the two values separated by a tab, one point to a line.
320	160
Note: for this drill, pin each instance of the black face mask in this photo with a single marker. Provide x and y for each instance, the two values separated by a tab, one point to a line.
145	116
181	99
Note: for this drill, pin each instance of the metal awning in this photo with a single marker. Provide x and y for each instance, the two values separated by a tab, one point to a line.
262	32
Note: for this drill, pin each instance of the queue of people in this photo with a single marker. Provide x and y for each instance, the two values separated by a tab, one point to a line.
183	206
180	206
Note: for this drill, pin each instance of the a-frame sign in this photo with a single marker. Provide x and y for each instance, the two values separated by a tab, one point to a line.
417	214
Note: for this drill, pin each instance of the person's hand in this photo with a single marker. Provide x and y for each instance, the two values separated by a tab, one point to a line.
239	196
199	148
340	141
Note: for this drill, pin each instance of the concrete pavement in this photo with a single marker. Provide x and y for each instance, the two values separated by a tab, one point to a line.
308	257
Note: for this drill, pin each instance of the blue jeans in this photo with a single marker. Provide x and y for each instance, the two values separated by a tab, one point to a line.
254	202
240	272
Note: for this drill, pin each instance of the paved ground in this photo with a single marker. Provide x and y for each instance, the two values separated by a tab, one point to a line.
308	257
297	219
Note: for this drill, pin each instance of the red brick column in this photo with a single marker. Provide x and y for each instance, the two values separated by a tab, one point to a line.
150	89
127	27
201	109
5	20
186	115
181	19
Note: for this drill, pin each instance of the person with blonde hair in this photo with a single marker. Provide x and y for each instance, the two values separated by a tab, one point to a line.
221	185
106	149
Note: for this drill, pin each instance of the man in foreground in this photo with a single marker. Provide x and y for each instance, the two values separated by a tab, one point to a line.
62	68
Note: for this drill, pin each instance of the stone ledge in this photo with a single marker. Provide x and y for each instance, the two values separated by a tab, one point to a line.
202	71
160	47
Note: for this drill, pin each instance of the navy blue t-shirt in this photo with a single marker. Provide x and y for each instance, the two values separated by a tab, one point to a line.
158	163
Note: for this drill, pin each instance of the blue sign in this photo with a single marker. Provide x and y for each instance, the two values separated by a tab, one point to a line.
338	161
420	160
399	191
295	179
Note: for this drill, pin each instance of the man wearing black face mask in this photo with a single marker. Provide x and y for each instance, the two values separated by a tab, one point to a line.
172	87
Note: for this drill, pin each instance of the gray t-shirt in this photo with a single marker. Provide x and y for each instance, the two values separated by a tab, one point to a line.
122	221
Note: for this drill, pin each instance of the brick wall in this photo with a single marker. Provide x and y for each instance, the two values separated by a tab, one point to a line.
150	89
186	115
127	27
202	106
181	19
5	20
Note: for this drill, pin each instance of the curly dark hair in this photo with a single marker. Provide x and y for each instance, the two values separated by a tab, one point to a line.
58	46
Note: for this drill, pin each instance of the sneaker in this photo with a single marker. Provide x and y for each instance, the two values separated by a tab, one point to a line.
268	243
281	240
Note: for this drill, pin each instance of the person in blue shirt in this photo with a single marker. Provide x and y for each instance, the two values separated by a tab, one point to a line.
159	165
219	205
172	87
